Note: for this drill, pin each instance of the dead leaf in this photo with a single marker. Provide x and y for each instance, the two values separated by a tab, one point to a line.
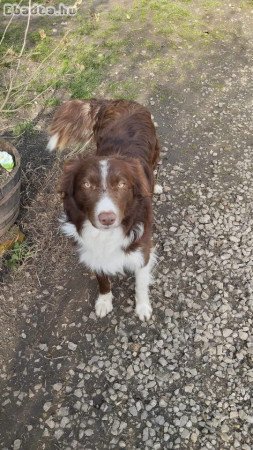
42	34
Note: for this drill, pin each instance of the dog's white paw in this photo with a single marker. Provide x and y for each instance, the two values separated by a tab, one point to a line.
103	305
158	189
143	311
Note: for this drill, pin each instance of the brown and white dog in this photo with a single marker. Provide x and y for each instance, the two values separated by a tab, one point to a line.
108	197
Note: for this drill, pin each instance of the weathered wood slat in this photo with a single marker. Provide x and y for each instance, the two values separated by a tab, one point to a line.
10	200
10	191
5	226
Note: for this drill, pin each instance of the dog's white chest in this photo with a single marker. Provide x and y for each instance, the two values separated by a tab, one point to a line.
104	250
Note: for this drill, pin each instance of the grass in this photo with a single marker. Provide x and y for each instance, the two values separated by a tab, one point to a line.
81	61
42	49
12	40
52	102
23	127
18	255
246	3
128	89
211	3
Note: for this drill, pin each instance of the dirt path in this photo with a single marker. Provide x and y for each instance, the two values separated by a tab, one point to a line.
182	381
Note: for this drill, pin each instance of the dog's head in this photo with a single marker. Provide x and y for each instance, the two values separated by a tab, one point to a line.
104	190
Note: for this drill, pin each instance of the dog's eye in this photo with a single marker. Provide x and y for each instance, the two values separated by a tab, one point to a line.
87	185
121	184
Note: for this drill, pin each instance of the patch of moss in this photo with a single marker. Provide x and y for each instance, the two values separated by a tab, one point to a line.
53	101
127	89
246	4
13	39
119	14
42	49
211	3
20	252
23	127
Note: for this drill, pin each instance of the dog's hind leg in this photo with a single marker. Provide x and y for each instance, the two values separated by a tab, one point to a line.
158	189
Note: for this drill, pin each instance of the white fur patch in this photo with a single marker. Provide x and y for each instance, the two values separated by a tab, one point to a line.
105	203
104	167
52	143
86	108
143	311
134	235
143	279
68	228
104	250
103	304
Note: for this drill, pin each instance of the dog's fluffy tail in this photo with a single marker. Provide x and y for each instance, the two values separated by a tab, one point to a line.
73	123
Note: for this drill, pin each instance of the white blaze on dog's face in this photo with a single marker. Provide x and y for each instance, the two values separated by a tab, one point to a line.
101	190
107	212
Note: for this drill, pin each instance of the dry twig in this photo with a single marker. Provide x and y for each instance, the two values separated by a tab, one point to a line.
12	78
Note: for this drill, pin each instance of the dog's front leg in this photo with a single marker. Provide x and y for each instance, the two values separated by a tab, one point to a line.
104	301
142	280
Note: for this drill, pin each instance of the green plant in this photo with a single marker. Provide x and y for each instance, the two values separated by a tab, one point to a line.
80	58
53	101
127	89
19	253
23	127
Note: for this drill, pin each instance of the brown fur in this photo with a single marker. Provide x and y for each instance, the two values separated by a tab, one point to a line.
74	121
119	127
103	283
134	200
125	135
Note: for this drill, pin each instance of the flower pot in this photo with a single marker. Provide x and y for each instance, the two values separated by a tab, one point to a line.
10	191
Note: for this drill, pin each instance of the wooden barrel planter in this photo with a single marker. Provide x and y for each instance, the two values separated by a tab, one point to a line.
10	191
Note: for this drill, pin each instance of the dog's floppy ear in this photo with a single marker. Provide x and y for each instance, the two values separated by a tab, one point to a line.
67	181
74	214
143	179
